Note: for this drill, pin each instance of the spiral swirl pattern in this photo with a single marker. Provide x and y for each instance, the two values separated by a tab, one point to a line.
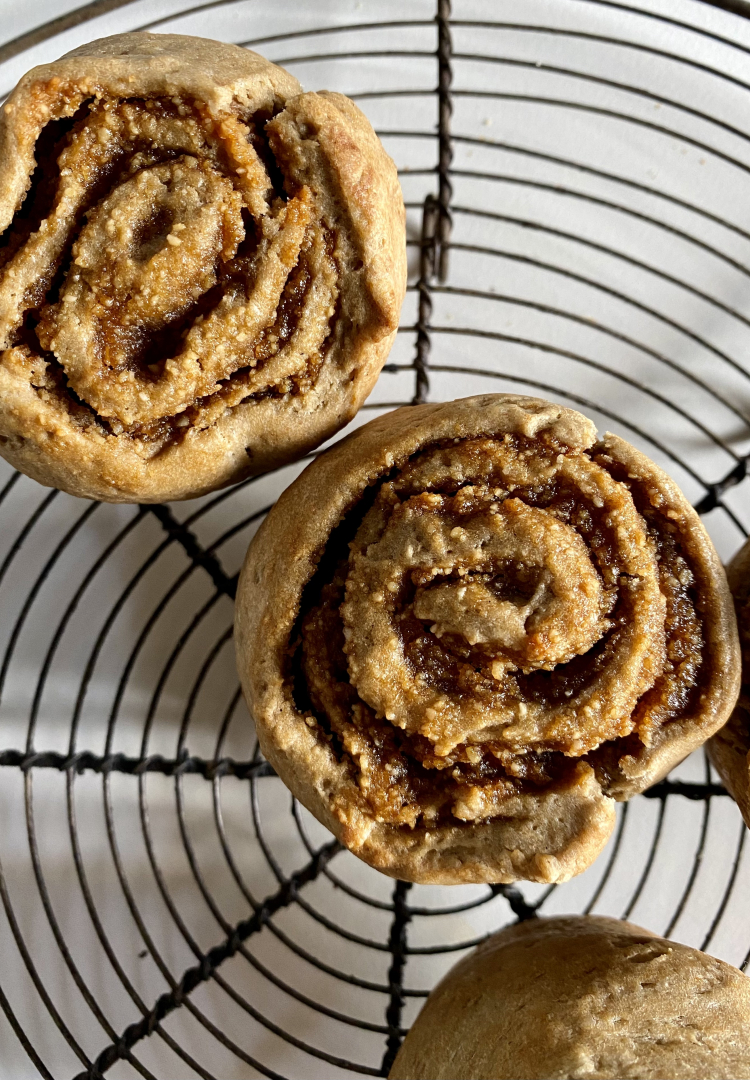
506	608
504	617
496	583
177	257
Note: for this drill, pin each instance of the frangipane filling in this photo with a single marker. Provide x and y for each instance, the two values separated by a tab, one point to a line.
489	616
161	270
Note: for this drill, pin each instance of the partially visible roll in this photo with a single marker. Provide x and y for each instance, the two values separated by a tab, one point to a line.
729	749
582	998
201	267
469	628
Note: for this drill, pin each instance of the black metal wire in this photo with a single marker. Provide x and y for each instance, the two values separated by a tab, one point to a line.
397	945
445	143
205	579
207	967
427	267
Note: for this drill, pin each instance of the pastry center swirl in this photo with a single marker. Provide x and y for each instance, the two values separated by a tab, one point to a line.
504	607
177	278
478	568
502	588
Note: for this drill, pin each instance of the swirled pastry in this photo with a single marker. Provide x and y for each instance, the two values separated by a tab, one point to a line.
469	628
729	749
201	267
582	997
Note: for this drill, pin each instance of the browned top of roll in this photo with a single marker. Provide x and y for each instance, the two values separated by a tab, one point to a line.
582	997
729	749
469	627
201	269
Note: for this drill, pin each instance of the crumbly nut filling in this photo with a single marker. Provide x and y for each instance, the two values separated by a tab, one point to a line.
495	613
161	270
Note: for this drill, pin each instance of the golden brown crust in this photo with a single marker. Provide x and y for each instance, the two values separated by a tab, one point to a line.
729	749
545	833
582	997
715	607
229	423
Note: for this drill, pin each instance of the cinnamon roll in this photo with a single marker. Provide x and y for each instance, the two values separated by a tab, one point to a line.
469	628
201	267
581	997
729	749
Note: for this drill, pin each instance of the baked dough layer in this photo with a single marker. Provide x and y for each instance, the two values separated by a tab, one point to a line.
469	628
729	749
201	267
582	998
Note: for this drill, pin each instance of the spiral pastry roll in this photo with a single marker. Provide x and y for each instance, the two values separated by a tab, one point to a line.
729	749
469	628
201	267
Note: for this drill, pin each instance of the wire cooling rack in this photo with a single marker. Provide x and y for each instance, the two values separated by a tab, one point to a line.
577	175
